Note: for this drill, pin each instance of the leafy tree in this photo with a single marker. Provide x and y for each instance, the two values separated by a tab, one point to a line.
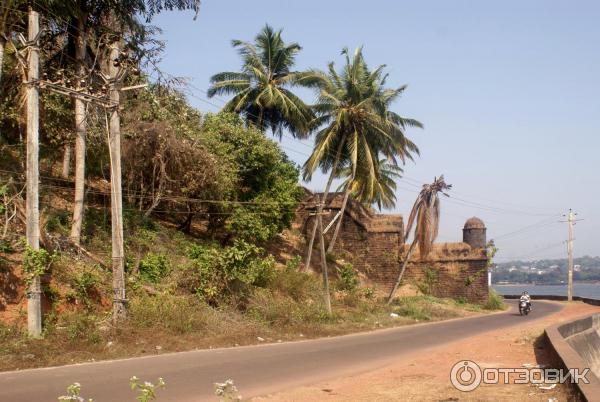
261	91
267	182
13	16
425	217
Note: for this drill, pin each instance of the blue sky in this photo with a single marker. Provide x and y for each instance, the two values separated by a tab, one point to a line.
508	92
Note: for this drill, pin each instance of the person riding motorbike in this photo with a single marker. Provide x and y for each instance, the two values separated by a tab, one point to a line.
525	297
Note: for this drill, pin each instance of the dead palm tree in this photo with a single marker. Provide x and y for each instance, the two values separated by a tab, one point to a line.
426	213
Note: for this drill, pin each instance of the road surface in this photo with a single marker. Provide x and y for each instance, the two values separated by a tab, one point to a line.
256	370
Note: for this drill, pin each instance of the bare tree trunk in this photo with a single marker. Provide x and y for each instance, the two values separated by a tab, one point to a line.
80	138
324	264
404	265
116	205
66	164
2	49
325	194
34	305
338	224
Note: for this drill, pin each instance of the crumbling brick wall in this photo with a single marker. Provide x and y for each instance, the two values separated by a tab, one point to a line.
374	244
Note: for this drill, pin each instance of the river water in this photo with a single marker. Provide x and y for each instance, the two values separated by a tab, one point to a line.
591	290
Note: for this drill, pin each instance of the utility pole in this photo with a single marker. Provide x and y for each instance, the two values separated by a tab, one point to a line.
319	217
318	225
81	134
570	221
34	305
116	206
116	73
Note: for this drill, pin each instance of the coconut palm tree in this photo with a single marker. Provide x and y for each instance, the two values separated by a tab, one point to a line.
358	127
368	190
379	190
261	91
425	217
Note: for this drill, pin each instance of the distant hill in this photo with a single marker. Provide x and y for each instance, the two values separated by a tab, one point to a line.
587	269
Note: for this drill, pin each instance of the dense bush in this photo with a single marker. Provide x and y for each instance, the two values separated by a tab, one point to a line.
228	271
153	267
267	191
348	279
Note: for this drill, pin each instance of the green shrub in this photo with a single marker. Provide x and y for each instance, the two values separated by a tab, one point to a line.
294	263
300	286
35	263
412	307
494	302
58	222
369	293
230	270
348	279
5	246
429	282
135	220
154	267
82	327
84	283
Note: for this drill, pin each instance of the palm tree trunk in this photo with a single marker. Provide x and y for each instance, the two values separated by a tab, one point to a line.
320	205
66	164
338	224
404	265
80	138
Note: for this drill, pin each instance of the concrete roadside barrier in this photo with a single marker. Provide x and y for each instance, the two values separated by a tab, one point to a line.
577	347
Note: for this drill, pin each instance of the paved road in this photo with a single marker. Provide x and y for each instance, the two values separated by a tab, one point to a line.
257	370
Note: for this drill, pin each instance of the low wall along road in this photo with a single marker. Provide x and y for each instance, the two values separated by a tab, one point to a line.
577	345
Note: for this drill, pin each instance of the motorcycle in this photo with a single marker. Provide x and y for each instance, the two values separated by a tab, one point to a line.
524	307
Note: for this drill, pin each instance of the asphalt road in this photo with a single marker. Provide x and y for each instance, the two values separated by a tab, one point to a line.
256	370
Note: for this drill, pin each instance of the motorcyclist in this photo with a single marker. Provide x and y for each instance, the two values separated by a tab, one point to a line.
525	297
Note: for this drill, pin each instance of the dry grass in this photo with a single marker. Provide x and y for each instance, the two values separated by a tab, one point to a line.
171	323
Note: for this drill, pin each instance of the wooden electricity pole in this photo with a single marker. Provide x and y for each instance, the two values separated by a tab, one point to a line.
318	225
80	138
34	310
570	222
116	205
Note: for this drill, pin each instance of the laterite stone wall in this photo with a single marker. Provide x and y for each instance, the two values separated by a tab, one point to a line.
374	244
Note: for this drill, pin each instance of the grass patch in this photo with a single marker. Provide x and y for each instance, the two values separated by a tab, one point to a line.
495	301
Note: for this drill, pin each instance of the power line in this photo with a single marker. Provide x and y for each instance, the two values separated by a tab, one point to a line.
164	198
539	225
456	200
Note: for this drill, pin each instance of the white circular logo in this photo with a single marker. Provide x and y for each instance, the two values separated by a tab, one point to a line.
465	375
